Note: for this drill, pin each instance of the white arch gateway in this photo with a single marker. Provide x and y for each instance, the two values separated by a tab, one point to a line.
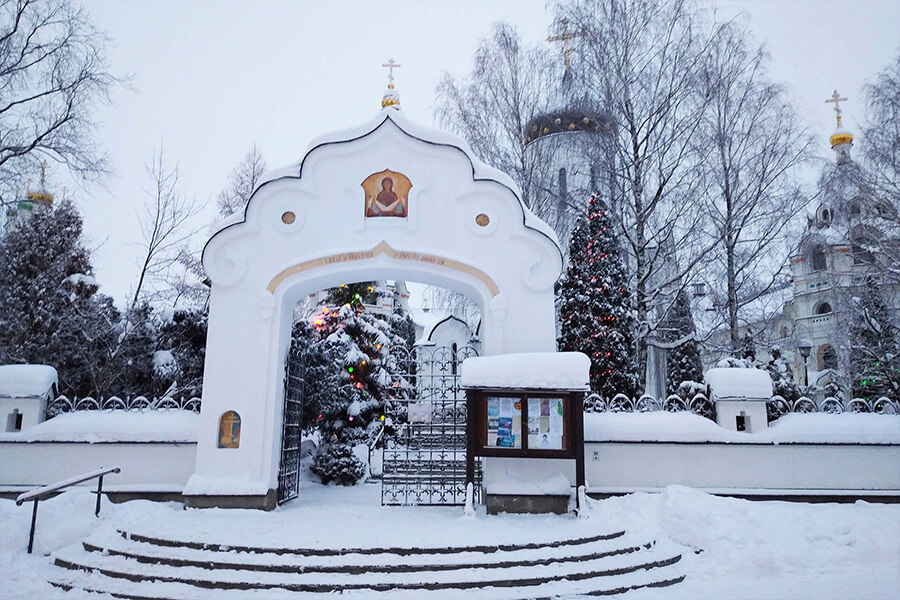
387	200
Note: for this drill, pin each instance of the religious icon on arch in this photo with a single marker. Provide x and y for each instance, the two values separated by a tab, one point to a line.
387	194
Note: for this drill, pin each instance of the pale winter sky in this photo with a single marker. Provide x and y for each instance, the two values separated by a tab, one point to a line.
213	78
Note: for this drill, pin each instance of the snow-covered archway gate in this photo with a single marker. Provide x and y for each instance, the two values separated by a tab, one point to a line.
387	200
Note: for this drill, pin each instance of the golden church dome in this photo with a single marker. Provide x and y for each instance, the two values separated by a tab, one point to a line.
840	137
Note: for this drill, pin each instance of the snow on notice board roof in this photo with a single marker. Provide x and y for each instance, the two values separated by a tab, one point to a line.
534	370
739	384
815	428
24	381
171	425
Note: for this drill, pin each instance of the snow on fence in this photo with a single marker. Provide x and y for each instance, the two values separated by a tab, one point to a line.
701	405
62	404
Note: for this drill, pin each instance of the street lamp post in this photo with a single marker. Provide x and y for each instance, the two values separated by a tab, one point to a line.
805	346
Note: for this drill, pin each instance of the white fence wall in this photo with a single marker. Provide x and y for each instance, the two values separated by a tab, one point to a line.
744	469
146	466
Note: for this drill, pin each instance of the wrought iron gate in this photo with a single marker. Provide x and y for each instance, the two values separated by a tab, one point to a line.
289	471
425	463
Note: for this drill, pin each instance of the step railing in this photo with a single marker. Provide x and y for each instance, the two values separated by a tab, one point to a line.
41	493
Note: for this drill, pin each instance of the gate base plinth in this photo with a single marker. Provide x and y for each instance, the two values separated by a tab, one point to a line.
522	504
267	502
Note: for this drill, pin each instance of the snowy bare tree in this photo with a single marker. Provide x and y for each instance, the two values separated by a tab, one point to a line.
53	76
241	182
165	225
882	133
643	60
882	159
507	87
750	145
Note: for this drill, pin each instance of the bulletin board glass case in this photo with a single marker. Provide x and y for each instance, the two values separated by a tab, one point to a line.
524	424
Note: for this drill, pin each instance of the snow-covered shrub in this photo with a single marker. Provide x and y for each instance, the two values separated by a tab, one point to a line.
337	463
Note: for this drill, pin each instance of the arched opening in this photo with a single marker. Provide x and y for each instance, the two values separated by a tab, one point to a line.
817	258
399	386
823	308
828	358
862	255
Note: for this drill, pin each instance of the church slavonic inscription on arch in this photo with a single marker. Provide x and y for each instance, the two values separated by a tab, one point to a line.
387	194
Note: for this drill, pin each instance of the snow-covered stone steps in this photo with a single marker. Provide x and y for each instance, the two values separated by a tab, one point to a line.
141	568
569	590
342	552
363	562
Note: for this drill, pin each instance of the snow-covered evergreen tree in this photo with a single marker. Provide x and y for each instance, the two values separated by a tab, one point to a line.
683	361
783	382
363	292
181	336
50	311
874	346
403	327
595	304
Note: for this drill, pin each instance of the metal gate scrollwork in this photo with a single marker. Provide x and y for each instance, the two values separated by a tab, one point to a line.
425	462
289	471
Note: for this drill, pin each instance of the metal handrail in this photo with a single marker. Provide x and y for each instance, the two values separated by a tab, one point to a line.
41	493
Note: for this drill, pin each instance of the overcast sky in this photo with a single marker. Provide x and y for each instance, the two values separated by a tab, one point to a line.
211	79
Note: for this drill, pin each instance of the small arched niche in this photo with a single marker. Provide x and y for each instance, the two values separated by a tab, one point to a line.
824	308
229	430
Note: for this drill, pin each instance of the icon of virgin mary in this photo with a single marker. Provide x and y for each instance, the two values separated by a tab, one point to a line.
387	194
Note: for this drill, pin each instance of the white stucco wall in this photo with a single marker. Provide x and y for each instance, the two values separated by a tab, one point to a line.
31	409
146	467
823	469
755	415
260	266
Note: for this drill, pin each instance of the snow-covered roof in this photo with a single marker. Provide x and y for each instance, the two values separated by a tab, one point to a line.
531	370
96	426
814	428
739	384
25	381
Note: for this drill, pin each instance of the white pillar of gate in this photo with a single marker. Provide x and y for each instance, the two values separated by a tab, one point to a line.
462	225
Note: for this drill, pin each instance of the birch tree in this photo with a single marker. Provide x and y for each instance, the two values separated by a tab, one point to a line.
750	145
507	87
644	59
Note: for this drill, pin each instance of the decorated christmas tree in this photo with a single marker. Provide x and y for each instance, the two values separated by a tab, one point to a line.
595	304
359	344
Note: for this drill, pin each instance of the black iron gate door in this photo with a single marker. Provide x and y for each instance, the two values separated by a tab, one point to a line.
289	471
425	463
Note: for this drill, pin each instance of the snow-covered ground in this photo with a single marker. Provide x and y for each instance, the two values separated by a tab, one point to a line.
747	550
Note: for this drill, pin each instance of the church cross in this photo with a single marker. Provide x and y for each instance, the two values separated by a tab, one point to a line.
836	100
391	65
564	37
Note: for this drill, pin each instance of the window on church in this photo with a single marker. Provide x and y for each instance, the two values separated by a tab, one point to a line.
824	309
861	256
818	259
829	358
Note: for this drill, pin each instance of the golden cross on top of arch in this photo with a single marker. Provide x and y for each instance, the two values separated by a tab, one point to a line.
836	100
564	37
391	65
